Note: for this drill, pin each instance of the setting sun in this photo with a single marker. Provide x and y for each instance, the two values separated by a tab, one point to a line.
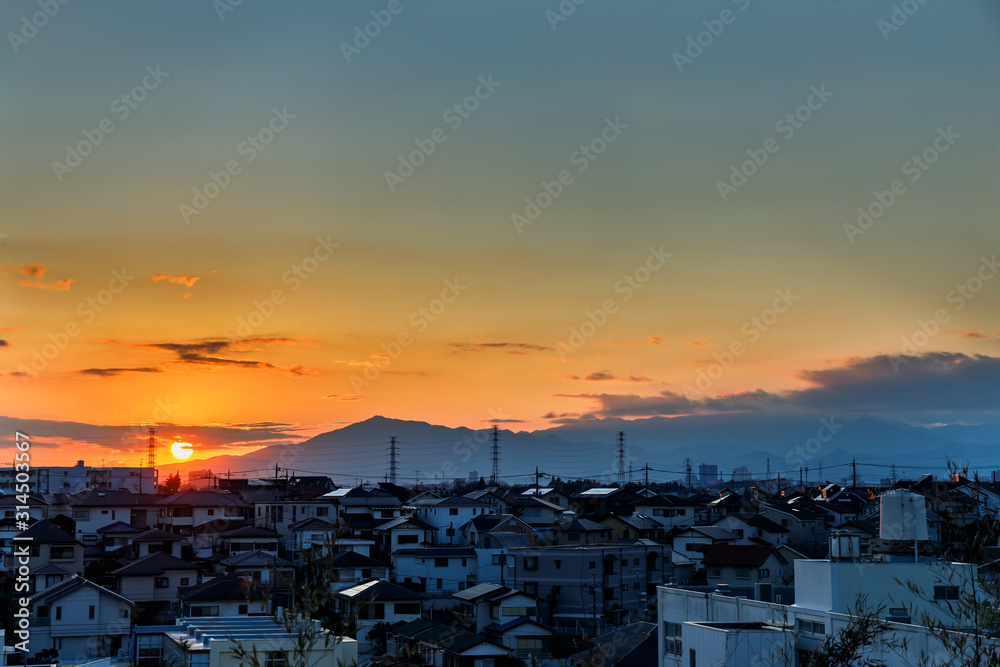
181	450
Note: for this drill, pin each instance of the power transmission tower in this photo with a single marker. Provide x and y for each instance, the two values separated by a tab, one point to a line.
621	458
687	472
495	456
393	459
150	448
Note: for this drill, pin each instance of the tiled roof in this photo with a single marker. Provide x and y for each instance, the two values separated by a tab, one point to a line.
255	558
119	527
735	555
156	535
438	552
47	532
226	588
155	563
378	589
199	498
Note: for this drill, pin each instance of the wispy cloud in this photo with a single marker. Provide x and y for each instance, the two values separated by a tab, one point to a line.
342	397
112	372
34	273
509	348
216	353
651	341
177	280
607	376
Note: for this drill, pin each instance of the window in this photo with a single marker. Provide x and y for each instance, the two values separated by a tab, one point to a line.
243	609
692	660
635	561
440	584
530	644
691	546
185	581
784	523
449	532
440	562
150	652
58	613
763	573
624	587
465	562
658	513
322	511
593	565
558	564
946	592
406	539
123	613
43	611
211	512
812	627
274	659
407	608
161	582
742	573
531	588
672	639
61	553
453	511
104	511
498	559
572	537
90	612
81	514
517	612
205	610
531	562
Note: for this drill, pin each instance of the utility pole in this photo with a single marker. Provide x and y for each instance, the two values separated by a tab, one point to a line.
393	459
769	468
621	458
537	475
854	474
495	456
645	486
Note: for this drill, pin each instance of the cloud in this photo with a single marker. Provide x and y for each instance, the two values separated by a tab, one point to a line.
4	343
607	376
177	280
976	335
34	272
652	341
933	385
504	421
301	371
342	397
111	372
509	348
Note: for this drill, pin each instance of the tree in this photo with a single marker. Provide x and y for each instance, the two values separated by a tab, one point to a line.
173	483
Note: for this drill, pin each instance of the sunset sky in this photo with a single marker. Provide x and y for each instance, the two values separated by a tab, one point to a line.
251	316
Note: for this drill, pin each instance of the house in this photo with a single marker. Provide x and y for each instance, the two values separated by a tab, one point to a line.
526	638
690	541
616	581
261	567
352	567
633	527
536	512
449	514
745	564
495	523
212	642
601	501
495	498
278	510
154	579
152	541
581	532
206	538
45	543
489	603
754	528
79	619
433	643
634	644
549	494
803	522
377	601
249	538
181	512
403	532
313	533
668	509
223	596
96	508
727	503
438	571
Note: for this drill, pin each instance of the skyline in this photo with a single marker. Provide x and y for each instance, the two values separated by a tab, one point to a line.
484	216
